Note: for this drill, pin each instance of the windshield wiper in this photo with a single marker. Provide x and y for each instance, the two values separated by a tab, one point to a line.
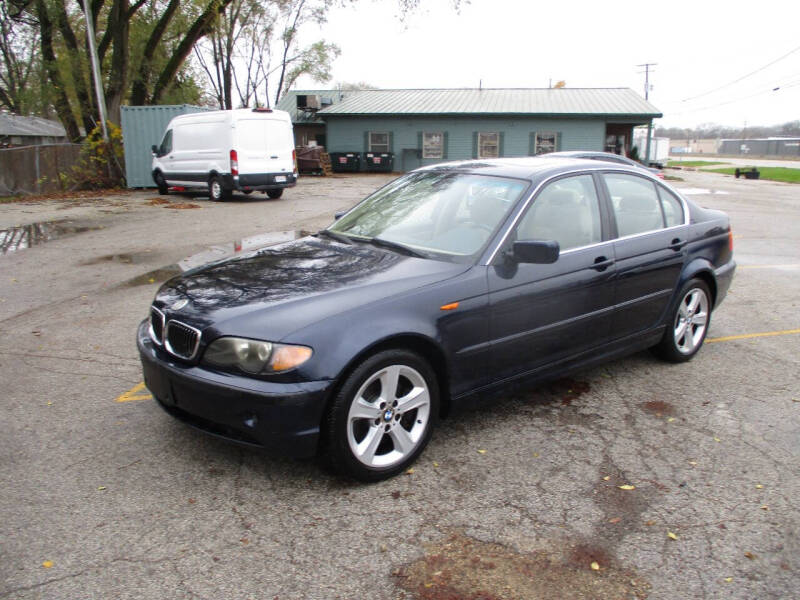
397	247
335	236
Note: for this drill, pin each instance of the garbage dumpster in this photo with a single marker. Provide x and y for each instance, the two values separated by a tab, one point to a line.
378	162
346	162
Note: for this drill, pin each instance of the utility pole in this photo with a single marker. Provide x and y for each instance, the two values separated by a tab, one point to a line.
647	97
647	78
98	83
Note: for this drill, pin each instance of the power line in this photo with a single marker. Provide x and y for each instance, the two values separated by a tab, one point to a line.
791	84
769	64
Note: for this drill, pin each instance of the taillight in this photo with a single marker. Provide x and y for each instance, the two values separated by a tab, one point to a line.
294	162
234	163
730	240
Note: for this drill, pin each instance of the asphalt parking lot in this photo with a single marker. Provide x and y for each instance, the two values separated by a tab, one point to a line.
637	479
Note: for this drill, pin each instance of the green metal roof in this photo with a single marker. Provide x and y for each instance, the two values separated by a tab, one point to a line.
622	102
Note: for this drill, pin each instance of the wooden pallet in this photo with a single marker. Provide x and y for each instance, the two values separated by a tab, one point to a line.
325	161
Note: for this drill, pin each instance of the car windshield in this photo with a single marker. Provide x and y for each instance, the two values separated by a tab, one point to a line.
444	214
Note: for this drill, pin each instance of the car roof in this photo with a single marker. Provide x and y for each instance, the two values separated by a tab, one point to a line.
529	167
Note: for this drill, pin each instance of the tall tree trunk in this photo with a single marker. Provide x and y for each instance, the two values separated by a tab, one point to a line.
201	26
141	79
118	77
85	103
62	105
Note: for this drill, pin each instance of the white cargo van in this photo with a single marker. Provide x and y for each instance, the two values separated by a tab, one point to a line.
225	150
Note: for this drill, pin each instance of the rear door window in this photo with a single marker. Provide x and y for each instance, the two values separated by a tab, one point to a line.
673	208
636	205
252	134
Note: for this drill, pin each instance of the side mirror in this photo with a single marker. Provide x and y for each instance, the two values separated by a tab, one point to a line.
540	252
339	215
155	149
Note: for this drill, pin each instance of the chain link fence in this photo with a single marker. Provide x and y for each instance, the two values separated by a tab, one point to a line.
37	169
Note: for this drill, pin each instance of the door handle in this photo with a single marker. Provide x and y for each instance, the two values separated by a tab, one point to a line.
273	156
601	263
676	244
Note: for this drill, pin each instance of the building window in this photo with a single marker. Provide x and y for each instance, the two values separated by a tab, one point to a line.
488	145
433	145
545	142
378	141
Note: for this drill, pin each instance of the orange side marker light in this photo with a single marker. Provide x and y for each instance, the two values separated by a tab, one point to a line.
451	306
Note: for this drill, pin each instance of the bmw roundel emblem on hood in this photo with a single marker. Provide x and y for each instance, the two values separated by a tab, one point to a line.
179	304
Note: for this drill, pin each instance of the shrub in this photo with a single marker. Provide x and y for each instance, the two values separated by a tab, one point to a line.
101	163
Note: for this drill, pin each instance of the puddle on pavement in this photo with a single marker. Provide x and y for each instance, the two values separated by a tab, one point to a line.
465	568
124	258
213	253
154	276
17	238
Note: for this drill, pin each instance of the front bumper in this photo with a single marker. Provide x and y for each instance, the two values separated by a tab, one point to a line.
280	417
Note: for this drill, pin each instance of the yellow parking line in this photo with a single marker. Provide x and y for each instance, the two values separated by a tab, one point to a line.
747	336
135	394
778	266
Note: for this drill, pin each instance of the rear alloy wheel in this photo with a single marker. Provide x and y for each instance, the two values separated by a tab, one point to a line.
216	189
688	323
383	416
161	183
275	194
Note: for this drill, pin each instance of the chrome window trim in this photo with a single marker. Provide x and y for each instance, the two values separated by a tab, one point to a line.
168	346
579	171
163	325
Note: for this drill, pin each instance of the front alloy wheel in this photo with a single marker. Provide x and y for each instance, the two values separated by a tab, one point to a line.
383	416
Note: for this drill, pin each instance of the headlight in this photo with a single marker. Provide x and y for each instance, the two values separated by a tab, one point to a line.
253	356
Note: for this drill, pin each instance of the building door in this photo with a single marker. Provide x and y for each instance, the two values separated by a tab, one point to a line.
618	138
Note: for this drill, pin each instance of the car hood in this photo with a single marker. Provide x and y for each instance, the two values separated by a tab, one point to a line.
271	292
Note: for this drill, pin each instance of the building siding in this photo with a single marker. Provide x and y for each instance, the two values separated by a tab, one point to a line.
348	134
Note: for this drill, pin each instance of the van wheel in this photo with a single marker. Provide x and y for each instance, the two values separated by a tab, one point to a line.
216	190
275	194
161	183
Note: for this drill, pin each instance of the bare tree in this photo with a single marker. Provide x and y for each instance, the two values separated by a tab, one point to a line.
18	44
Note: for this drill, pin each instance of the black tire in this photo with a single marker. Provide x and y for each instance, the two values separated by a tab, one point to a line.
247	192
275	194
418	422
216	189
674	346
161	183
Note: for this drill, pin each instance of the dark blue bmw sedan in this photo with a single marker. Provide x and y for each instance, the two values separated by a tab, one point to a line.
447	285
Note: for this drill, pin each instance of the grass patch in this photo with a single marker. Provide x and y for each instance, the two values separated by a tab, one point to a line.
783	174
693	163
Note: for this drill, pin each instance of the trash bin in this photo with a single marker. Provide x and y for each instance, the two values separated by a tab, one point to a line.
378	162
346	162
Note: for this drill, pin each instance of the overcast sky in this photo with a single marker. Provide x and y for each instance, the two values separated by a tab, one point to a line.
699	46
